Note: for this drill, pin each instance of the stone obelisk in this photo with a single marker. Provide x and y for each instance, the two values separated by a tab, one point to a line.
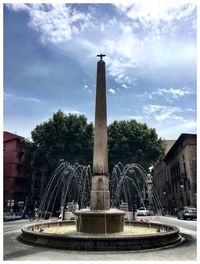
100	220
100	195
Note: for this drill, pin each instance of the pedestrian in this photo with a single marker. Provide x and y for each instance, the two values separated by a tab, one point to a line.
36	213
164	211
76	206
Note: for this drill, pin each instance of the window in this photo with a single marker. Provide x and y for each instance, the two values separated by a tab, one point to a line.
189	186
175	172
185	169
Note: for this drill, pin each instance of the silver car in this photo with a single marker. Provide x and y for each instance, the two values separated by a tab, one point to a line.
142	211
187	212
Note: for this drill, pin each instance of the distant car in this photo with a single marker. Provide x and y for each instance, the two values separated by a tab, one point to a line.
142	211
11	217
187	212
151	210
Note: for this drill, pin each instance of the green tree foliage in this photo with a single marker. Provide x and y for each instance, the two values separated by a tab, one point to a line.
132	142
70	138
28	148
63	137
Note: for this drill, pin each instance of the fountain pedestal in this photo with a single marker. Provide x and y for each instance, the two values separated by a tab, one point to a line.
100	222
100	219
100	195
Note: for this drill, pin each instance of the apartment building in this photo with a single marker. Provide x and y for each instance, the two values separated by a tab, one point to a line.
16	184
175	175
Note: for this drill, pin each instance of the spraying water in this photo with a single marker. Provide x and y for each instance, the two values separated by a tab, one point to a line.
127	182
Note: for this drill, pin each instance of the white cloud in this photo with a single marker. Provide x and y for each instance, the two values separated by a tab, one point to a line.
18	7
190	109
112	91
35	100
170	118
151	49
135	117
102	26
169	94
7	95
128	47
131	54
160	112
175	93
67	111
168	121
56	23
21	98
125	86
74	112
188	125
86	88
150	15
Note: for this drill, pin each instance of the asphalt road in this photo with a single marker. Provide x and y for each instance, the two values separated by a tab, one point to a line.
191	225
15	250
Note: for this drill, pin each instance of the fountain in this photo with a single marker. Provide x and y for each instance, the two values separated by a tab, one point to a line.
100	227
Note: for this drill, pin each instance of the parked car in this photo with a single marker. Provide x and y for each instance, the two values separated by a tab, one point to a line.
151	210
11	217
187	212
142	211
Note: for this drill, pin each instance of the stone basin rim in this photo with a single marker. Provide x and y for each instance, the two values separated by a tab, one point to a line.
172	230
108	242
100	212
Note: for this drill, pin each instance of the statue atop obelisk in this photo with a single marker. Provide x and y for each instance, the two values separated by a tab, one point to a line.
100	195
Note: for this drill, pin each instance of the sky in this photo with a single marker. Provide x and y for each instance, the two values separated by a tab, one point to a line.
50	63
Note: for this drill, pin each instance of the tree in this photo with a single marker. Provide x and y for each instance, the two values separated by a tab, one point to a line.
61	138
132	142
70	138
67	137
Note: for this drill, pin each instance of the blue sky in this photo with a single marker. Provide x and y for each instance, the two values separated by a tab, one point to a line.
50	63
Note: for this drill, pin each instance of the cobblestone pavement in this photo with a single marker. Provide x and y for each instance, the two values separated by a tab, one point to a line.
16	251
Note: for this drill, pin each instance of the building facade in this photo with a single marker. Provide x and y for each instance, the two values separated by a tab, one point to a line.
175	175
16	183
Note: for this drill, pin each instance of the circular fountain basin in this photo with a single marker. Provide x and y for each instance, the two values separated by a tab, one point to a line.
100	222
136	236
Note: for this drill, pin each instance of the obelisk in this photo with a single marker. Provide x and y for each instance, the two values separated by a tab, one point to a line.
100	195
99	219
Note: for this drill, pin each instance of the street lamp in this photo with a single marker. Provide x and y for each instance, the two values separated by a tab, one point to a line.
183	186
182	182
149	184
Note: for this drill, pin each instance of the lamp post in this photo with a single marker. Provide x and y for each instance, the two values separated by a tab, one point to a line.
165	200
149	183
174	205
183	186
